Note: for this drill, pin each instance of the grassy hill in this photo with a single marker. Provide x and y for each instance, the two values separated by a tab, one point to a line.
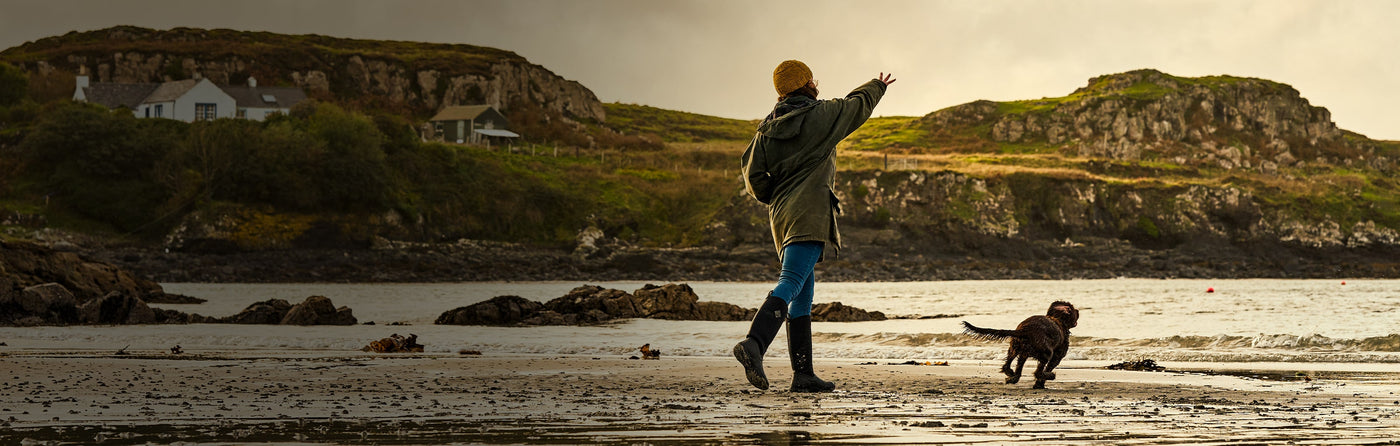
676	126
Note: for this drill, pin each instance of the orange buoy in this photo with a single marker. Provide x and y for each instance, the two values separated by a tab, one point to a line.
1210	290
1344	282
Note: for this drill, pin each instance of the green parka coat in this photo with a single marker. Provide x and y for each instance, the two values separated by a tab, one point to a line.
802	132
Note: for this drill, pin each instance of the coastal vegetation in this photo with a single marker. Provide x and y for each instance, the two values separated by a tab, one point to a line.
144	175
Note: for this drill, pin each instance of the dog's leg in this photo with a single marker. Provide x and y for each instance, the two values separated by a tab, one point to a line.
1040	374
1020	364
1010	356
1054	362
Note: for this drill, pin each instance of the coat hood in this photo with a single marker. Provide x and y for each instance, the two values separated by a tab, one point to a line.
786	120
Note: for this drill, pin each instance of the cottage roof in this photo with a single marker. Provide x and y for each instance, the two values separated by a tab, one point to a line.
113	95
265	97
460	113
170	91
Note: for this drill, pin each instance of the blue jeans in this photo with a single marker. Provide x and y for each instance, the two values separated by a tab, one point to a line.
797	279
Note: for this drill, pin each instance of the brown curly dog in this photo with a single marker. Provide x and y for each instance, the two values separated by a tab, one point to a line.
1045	338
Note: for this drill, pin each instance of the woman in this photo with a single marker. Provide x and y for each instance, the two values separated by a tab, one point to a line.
798	141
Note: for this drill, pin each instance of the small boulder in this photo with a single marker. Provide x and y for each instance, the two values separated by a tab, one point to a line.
39	299
318	310
499	310
722	311
117	308
581	300
837	312
670	301
270	311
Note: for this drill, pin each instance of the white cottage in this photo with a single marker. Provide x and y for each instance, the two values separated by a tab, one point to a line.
191	99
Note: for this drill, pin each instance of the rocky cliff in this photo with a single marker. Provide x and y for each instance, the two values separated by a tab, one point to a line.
1229	122
1028	207
417	77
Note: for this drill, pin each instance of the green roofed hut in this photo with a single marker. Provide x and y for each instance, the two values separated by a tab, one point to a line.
471	124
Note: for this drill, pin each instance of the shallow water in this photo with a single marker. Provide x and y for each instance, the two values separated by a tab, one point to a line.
1166	320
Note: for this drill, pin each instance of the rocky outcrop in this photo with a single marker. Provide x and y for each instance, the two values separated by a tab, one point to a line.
53	304
1218	121
43	286
345	69
24	265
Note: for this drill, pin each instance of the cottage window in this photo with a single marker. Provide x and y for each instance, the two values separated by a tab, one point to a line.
242	113
158	111
205	112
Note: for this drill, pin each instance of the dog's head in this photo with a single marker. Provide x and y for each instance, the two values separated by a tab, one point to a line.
1065	312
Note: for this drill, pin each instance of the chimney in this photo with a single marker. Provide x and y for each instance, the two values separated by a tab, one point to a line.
252	82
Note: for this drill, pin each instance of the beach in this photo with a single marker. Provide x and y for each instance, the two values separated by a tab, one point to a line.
1243	365
67	397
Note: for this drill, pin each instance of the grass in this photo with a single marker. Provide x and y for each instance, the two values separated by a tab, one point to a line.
884	133
675	126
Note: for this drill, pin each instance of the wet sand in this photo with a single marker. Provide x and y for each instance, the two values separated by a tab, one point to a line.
68	397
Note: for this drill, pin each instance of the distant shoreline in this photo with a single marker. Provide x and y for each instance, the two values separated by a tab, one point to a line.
508	262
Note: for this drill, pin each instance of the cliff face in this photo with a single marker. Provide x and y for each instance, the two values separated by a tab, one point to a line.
951	212
418	77
919	205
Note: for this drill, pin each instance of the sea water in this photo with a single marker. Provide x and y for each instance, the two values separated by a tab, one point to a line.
1323	321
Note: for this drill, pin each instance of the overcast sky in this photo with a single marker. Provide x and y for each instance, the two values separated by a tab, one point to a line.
716	56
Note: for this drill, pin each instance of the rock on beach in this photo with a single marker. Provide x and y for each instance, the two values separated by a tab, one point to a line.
592	304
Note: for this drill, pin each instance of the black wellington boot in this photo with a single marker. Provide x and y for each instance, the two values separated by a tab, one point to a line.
804	378
765	326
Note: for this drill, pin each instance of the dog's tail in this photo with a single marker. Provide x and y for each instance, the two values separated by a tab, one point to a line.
988	334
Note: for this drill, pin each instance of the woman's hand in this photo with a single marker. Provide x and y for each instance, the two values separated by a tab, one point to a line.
886	78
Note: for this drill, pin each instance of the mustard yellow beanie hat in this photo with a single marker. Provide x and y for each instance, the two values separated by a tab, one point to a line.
791	75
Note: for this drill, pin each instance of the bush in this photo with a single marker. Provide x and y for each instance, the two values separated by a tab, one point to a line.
14	84
98	163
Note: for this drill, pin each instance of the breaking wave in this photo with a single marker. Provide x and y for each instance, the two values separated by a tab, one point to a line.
1308	343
